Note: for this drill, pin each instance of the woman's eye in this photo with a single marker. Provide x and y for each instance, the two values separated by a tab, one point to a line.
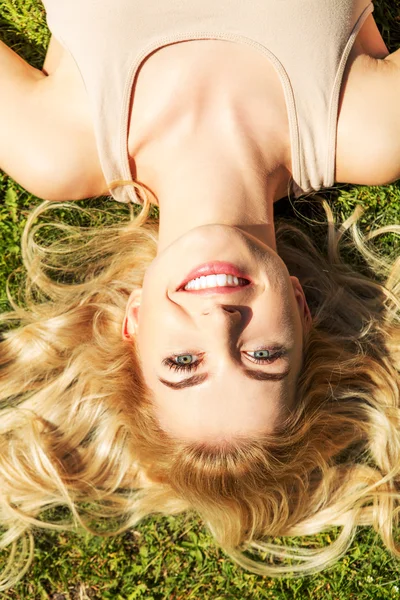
185	359
183	362
264	356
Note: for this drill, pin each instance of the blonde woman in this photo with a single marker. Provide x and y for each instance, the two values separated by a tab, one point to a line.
213	363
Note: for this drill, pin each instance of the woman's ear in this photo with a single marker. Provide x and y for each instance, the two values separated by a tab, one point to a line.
131	319
305	313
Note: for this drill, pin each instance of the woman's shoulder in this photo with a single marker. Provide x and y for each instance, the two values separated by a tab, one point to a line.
368	134
66	165
47	142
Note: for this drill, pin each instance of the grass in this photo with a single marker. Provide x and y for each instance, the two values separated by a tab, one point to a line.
174	558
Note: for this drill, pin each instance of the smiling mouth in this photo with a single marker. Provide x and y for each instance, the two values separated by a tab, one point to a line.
212	282
216	276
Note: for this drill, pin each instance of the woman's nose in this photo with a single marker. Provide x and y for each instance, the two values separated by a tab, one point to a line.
225	314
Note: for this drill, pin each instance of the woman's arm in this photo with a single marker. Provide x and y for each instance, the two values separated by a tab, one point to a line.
20	139
392	110
368	141
46	144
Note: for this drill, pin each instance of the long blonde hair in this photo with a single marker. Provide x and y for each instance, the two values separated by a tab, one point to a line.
78	429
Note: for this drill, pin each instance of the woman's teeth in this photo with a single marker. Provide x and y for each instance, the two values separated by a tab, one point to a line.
212	281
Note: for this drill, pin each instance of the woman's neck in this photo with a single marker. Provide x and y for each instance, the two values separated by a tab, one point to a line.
215	167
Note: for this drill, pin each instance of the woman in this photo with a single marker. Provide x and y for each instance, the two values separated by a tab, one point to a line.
227	391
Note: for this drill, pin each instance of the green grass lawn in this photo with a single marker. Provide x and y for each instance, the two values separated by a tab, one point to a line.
174	558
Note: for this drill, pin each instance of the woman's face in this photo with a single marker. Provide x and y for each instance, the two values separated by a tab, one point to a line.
221	361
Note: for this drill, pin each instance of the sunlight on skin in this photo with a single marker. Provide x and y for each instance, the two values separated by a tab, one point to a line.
220	170
239	388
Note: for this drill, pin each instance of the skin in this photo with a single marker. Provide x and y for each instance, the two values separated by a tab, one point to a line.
218	156
237	183
221	332
237	186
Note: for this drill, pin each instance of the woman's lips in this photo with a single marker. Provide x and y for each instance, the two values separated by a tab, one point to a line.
215	268
216	290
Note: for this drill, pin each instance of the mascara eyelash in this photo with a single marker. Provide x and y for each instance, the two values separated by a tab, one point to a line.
262	361
168	362
269	359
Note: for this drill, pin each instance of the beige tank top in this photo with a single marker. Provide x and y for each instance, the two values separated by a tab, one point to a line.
307	41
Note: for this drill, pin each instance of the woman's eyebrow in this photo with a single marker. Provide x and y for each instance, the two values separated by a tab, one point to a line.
264	376
257	374
185	383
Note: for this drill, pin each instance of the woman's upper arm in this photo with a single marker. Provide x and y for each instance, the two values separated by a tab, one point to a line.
368	141
44	145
